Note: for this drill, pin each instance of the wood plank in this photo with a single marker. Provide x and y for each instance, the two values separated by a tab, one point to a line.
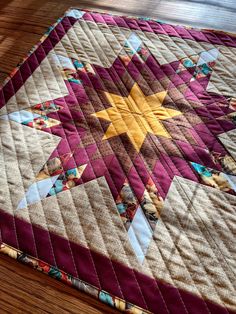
25	290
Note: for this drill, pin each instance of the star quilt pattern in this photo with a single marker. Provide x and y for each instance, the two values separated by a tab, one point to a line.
118	162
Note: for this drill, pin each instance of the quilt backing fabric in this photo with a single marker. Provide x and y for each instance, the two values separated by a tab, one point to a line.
118	163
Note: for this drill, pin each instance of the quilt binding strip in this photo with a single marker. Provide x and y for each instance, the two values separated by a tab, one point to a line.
39	265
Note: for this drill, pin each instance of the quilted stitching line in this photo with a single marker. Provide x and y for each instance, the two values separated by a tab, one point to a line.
64	225
138	283
162	295
43	211
32	232
133	163
167	268
49	237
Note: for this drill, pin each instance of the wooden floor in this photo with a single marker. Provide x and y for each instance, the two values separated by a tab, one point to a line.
27	291
22	23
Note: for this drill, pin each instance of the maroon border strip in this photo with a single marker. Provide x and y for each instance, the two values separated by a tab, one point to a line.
103	273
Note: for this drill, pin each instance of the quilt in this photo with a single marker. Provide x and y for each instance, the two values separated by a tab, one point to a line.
118	162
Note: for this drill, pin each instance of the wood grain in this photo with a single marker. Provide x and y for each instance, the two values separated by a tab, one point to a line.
25	290
22	23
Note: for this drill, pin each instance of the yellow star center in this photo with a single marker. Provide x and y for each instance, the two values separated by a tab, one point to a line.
136	115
